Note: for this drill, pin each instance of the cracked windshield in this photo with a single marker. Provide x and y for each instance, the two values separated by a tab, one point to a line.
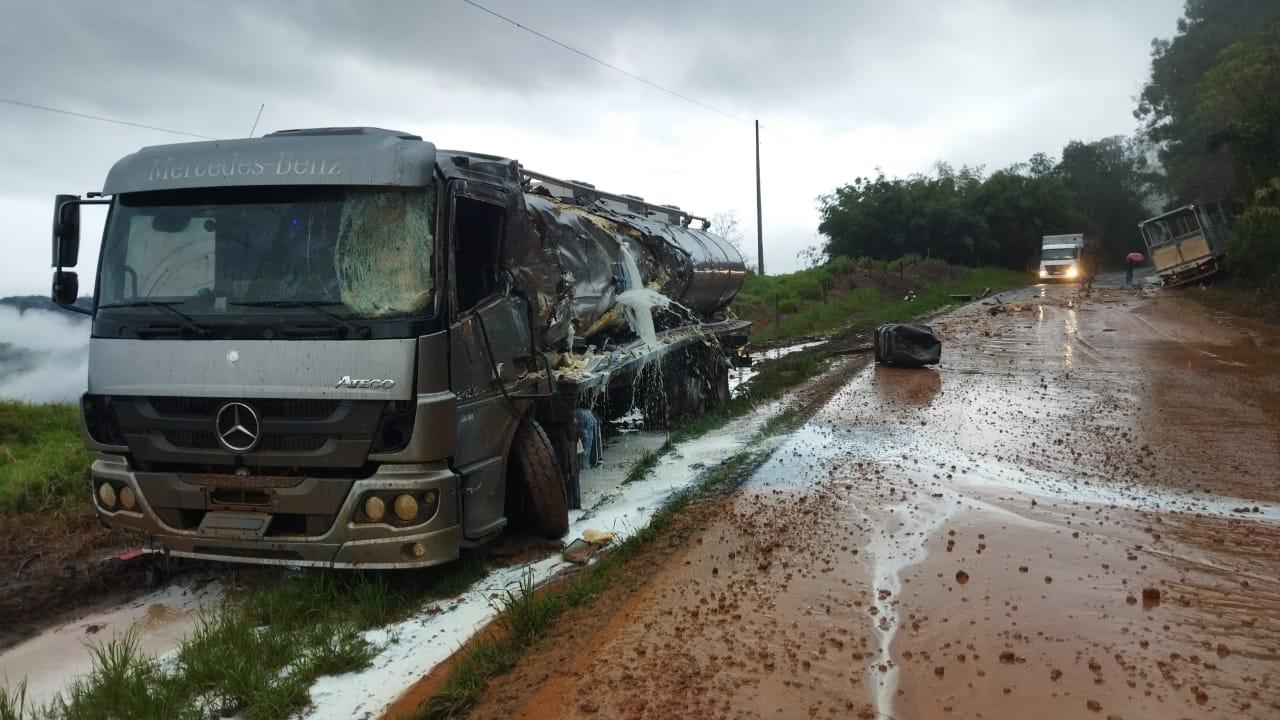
367	251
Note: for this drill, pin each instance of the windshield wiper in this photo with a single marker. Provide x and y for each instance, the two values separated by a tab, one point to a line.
316	305
185	320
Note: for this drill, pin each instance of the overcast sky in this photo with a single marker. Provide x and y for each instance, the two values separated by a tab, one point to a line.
842	88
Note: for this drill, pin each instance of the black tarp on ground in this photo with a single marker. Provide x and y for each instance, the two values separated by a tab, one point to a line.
906	345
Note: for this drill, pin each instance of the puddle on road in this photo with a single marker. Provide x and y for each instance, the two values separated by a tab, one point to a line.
740	376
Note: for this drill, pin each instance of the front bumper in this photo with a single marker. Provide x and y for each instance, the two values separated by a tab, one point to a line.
1059	272
242	534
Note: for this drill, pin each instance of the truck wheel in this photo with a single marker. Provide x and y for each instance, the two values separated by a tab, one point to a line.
542	481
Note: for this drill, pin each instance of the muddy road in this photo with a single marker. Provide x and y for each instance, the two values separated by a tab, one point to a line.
1077	515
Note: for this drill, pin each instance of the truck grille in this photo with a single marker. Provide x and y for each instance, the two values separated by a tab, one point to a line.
293	433
199	440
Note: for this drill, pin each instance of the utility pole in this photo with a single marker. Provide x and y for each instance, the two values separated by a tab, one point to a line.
759	214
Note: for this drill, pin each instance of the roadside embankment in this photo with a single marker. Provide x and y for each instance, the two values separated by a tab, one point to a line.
845	294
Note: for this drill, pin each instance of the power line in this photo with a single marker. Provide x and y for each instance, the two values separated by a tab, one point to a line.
775	132
611	66
33	106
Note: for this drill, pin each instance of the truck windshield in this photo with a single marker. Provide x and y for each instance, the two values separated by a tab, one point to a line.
361	252
1059	254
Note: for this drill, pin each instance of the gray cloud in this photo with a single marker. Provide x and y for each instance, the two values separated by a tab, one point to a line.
851	86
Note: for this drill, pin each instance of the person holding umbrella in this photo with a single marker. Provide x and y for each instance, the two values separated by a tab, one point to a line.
1131	261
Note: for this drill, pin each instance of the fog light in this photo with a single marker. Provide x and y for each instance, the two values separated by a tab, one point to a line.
406	507
107	495
374	508
430	497
416	550
127	499
1072	271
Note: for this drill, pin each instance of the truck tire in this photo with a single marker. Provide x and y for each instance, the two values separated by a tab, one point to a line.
542	480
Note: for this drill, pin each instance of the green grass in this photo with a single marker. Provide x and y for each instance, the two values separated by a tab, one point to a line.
44	467
13	702
255	656
852	292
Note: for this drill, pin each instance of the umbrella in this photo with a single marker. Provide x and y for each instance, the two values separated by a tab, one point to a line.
1135	256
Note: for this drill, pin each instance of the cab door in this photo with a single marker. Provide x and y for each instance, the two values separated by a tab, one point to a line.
489	350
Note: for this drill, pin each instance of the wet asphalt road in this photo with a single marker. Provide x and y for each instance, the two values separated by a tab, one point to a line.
1076	515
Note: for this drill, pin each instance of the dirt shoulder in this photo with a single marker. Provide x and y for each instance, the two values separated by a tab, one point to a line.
1234	297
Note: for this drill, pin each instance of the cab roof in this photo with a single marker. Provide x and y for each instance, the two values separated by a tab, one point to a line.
311	156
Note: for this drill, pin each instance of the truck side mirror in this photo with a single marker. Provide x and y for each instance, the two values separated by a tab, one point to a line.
66	231
66	288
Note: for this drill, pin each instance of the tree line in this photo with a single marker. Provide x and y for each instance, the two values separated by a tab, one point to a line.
1209	118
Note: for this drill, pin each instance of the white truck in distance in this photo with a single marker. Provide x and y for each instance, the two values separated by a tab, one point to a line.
1060	256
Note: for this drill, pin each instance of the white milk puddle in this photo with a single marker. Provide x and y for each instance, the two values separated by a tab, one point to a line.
49	660
898	533
417	645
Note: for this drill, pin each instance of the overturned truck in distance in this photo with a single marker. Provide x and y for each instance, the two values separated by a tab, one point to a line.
345	347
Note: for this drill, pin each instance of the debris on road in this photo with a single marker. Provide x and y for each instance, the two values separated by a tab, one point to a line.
597	537
907	345
579	552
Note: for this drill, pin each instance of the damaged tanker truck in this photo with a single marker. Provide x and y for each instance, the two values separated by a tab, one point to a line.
345	347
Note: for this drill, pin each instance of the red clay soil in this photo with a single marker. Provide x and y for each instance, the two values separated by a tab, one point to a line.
1078	515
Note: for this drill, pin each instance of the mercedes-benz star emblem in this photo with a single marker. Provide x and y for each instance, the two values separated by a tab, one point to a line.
237	428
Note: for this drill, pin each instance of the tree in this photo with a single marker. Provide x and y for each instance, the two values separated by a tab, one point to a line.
1239	106
1255	246
1112	182
1019	207
1197	164
725	225
1212	107
954	215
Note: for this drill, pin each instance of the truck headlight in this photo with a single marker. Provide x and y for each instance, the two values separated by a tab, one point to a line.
107	495
406	507
1044	273
1072	271
127	499
374	508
